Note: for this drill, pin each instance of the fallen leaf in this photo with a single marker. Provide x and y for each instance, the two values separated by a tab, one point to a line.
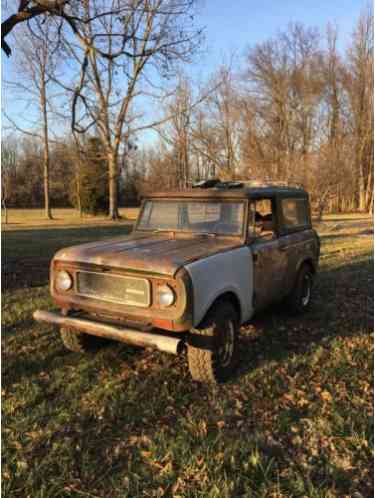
146	454
326	396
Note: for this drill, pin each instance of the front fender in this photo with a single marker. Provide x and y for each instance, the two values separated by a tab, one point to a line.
230	271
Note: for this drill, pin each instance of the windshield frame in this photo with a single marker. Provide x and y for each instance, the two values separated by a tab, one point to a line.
240	235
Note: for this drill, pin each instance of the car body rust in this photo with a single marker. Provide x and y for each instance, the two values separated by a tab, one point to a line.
159	254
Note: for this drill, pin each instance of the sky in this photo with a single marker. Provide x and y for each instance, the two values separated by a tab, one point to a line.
232	26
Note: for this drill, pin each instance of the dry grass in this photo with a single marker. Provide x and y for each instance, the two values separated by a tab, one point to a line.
63	217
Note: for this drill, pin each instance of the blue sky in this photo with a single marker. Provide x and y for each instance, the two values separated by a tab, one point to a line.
231	27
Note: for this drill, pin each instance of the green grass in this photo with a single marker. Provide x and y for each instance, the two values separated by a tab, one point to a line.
295	421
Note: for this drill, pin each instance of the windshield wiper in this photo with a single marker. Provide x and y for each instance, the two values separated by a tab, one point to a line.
203	234
207	234
160	230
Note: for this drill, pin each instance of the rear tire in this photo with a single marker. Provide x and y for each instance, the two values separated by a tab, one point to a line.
78	341
213	348
299	300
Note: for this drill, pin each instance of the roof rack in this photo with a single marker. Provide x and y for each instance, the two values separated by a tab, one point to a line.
206	183
227	185
217	184
272	183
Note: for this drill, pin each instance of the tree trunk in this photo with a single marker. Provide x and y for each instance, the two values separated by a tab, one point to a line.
361	190
369	190
43	104
78	189
372	205
370	208
5	212
113	186
47	207
320	212
77	158
187	163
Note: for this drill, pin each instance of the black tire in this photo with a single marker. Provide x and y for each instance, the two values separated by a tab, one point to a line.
78	341
213	348
299	300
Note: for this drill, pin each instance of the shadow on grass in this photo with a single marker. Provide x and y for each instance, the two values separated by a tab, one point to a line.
364	233
27	363
342	306
27	253
338	219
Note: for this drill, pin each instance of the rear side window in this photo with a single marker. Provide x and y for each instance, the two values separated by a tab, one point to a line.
295	213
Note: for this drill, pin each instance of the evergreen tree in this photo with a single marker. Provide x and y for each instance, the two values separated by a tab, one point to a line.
94	179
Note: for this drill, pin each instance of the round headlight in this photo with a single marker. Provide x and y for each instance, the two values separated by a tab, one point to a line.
166	295
63	281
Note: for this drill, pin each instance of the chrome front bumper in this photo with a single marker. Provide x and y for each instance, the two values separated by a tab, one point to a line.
134	337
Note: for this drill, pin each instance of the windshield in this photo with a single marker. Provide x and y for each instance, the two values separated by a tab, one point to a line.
213	217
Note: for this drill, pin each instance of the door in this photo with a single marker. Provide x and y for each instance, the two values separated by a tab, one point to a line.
269	256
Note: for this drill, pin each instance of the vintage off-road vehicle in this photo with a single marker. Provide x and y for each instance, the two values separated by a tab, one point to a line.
198	264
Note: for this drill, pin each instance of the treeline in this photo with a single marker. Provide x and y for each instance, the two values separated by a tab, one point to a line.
78	178
297	109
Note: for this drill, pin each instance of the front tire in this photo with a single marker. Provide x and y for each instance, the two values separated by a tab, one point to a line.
213	348
299	300
78	341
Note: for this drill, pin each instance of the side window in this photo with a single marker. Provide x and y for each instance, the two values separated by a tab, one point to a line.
295	213
262	220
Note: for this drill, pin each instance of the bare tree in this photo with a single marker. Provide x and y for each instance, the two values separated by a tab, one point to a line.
36	60
8	169
176	132
118	56
216	131
25	10
358	80
118	45
328	178
285	87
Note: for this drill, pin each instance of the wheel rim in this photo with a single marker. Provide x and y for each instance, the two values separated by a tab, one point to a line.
226	343
306	290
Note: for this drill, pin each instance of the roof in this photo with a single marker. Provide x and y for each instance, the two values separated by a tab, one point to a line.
244	192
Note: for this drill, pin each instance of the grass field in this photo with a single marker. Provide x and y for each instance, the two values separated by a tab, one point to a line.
62	217
295	421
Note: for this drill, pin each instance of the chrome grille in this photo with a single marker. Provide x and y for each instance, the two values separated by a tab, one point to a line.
114	288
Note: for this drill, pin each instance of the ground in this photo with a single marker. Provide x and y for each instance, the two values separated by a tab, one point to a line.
295	420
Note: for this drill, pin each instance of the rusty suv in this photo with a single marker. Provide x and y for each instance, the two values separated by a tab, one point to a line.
197	266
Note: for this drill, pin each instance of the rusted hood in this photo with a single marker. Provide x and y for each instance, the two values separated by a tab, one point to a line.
158	253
